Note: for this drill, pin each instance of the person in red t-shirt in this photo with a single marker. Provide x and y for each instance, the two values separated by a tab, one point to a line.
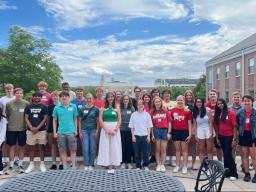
181	132
225	125
210	105
99	101
161	128
147	102
247	136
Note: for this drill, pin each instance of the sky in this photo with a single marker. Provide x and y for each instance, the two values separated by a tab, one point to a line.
133	41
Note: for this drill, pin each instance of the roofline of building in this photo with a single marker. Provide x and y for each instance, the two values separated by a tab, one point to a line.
233	55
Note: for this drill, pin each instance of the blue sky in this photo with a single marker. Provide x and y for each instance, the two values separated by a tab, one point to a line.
136	40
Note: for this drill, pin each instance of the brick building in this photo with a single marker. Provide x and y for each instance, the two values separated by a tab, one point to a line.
233	70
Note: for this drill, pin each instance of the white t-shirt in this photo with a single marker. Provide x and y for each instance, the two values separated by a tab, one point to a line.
3	101
140	122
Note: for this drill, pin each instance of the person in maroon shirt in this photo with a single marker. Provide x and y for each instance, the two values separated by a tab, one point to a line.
161	128
46	97
225	128
181	132
210	105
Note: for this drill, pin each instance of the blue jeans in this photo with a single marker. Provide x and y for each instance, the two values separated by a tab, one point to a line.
141	148
89	146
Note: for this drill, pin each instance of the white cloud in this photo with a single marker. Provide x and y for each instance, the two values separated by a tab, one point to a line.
140	61
84	13
236	18
3	5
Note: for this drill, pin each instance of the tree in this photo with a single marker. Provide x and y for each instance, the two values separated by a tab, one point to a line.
26	61
200	88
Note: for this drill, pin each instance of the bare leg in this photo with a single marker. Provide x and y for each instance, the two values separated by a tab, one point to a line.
177	152
163	148
157	152
184	147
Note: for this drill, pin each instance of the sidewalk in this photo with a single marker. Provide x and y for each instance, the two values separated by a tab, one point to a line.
188	180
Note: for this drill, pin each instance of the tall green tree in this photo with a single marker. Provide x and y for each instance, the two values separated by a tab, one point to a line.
27	60
200	88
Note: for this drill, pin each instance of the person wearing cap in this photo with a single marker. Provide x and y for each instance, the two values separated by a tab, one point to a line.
3	123
79	101
66	88
35	118
46	97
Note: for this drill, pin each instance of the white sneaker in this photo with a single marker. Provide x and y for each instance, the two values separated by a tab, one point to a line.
42	167
129	166
194	166
30	168
162	168
232	178
86	168
172	163
90	168
176	169
123	166
158	168
1	172
184	170
137	168
146	168
251	167
111	171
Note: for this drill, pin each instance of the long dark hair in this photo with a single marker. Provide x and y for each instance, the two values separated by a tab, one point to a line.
150	101
107	105
122	102
196	109
218	111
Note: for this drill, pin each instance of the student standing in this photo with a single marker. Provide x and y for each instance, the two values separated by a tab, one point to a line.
110	148
88	124
161	132
35	118
16	130
127	110
246	120
181	132
141	125
65	117
226	134
3	124
203	129
51	140
79	101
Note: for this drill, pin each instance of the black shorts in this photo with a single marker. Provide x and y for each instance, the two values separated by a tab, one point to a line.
246	140
216	144
179	135
12	137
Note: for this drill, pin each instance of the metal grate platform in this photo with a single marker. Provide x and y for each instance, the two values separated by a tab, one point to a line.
96	180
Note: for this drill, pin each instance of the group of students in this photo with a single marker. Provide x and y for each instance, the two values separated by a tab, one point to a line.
118	130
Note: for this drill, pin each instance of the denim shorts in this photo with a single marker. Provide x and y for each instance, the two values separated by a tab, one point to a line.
160	133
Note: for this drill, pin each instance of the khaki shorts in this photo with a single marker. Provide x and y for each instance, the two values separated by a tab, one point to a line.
37	138
51	139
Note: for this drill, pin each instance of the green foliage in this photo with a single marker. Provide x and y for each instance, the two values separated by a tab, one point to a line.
26	61
176	91
200	89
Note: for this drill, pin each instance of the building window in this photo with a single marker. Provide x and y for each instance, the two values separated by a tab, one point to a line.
227	96
209	80
251	93
218	73
227	72
251	66
238	69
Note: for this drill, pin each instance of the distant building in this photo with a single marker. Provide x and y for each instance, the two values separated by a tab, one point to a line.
233	70
125	87
183	82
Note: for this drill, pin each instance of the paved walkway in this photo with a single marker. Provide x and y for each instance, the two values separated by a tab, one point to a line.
188	180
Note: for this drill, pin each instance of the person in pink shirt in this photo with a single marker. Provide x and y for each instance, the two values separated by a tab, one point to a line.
99	101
